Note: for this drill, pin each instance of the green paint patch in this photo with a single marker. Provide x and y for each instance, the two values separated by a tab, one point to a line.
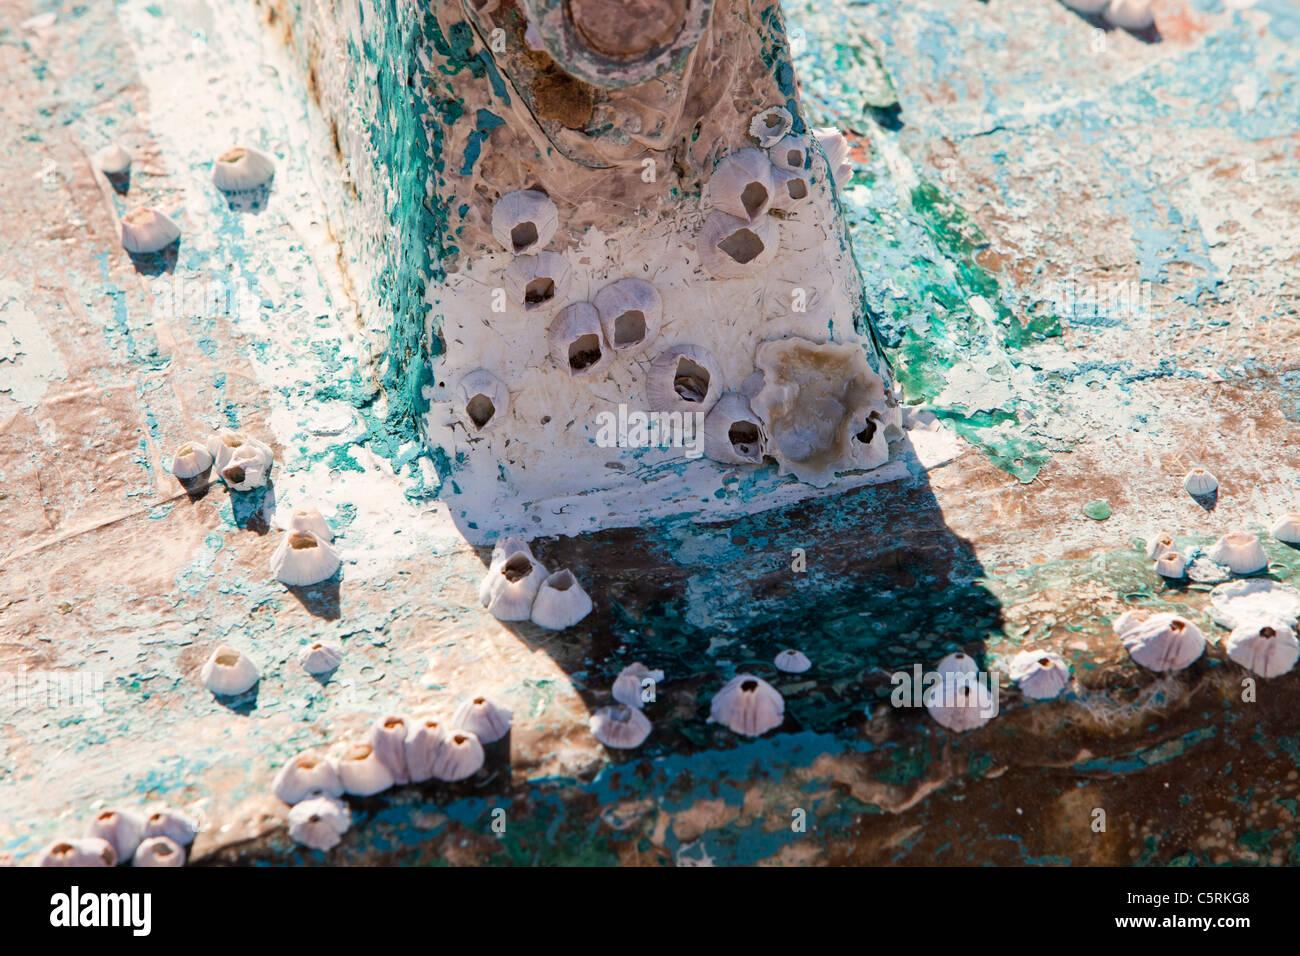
1097	510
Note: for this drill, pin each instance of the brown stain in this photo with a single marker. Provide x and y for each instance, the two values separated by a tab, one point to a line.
559	97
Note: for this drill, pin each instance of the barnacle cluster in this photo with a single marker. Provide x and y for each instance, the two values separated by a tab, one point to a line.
119	836
517	587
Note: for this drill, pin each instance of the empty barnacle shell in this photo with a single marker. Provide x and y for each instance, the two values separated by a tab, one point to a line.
732	248
304	774
576	340
869	446
1129	14
1240	552
769	126
790	154
425	740
87	851
836	147
229	672
460	757
560	602
620	727
789	189
1159	545
320	657
1164	642
222	445
191	460
1200	482
813	404
1287	528
538	283
1264	646
630	311
1041	675
513	586
487	720
387	738
741	185
113	160
242	170
301	558
748	705
249	466
1129	620
732	432
121	828
504	548
484	399
319	822
792	662
1171	564
157	851
524	221
684	378
146	231
634	683
176	826
310	519
959	702
361	771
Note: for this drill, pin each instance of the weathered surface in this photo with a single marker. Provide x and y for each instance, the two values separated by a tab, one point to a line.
107	573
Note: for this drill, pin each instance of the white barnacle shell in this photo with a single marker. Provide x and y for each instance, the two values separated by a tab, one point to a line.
513	585
576	341
1086	6
319	822
425	741
304	774
320	657
524	221
741	185
191	460
484	399
1235	602
242	169
146	231
361	771
1129	14
310	519
249	466
1158	545
958	662
501	551
121	828
1164	642
176	826
732	248
538	283
1240	552
1041	675
631	311
301	559
869	446
113	160
222	445
460	757
87	851
769	126
836	148
961	701
1200	482
684	378
1171	564
487	720
158	851
620	727
748	705
229	672
560	602
1129	620
789	188
732	432
632	683
387	737
1264	646
790	154
813	403
792	662
1287	528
